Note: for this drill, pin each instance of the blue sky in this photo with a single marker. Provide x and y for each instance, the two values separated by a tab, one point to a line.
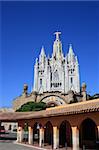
26	26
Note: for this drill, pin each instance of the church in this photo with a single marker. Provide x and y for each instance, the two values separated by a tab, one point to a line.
56	78
57	73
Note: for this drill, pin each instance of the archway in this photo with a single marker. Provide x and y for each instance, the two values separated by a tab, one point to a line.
48	134
36	133
65	134
88	134
25	139
53	99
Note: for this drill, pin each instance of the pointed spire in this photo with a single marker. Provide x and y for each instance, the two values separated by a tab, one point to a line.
71	55
48	56
42	55
71	49
42	51
36	60
76	60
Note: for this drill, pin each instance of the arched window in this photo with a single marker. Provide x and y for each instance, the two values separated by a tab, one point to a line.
40	82
51	76
71	80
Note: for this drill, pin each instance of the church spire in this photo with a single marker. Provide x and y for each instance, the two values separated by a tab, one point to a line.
57	47
71	54
42	51
42	55
71	49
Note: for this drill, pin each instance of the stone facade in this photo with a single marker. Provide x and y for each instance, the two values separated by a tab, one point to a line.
57	73
55	98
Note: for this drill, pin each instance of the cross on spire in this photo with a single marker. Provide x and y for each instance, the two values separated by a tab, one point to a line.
57	34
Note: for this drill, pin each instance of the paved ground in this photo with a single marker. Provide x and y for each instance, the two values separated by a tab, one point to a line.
8	145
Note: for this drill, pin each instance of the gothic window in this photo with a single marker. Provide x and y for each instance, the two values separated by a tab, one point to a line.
71	80
48	62
51	84
56	76
40	82
51	76
55	56
71	71
56	85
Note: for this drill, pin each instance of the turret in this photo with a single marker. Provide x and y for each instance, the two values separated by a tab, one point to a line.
42	55
77	78
36	67
66	76
71	54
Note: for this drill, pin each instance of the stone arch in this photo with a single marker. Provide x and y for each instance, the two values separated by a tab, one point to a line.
36	128
88	133
65	134
48	133
25	131
56	100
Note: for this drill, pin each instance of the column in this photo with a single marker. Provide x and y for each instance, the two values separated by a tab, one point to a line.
20	134
30	136
98	132
75	138
41	136
55	137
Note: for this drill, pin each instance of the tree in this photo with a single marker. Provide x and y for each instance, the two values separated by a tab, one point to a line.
32	106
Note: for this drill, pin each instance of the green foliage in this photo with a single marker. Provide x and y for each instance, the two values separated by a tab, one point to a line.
32	106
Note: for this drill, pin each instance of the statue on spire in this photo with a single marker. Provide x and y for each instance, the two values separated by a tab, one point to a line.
57	34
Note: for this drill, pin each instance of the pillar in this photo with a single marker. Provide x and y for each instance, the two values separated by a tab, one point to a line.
75	138
41	136
55	137
98	132
20	134
30	136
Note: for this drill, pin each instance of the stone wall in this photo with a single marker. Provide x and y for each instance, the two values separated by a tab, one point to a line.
48	97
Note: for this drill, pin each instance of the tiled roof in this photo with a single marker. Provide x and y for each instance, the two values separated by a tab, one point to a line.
75	108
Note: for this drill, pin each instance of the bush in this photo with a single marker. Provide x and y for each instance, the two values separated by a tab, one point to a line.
32	106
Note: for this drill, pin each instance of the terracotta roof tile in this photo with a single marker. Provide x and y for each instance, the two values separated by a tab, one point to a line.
75	108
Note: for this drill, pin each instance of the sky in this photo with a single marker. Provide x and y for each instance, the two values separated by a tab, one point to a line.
26	26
